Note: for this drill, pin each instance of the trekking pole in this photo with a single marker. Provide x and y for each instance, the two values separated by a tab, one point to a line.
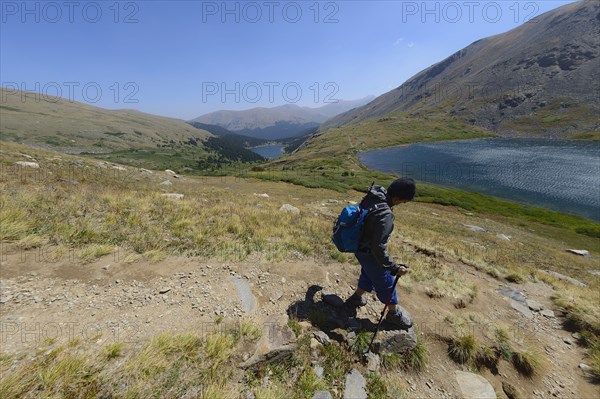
383	312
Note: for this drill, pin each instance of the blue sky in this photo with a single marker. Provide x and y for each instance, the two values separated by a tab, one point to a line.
186	58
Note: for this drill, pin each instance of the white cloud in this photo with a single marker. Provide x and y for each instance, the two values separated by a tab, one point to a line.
398	41
411	44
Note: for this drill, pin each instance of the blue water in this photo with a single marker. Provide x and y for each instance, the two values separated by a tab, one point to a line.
562	175
269	151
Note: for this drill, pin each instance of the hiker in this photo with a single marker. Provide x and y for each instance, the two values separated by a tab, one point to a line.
378	269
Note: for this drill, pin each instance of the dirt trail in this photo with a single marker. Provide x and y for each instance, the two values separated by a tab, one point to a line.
110	300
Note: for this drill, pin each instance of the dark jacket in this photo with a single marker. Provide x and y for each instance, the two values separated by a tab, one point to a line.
378	226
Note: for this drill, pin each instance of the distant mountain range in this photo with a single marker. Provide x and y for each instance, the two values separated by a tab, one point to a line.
277	122
539	79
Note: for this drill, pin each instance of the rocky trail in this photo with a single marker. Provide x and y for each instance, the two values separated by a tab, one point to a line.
108	301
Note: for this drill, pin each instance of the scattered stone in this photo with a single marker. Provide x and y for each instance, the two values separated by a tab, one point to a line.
568	341
576	335
373	361
396	341
474	386
332	299
245	294
145	171
435	214
101	165
263	195
289	208
277	295
322	338
563	277
173	195
105	267
319	370
356	385
278	341
322	395
511	391
519	307
166	183
584	366
170	172
547	313
429	385
594	272
34	165
503	237
164	290
474	228
580	252
534	305
120	168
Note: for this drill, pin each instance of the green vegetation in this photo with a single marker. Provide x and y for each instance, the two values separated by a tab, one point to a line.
463	348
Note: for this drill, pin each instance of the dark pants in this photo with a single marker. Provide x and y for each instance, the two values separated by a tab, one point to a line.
372	275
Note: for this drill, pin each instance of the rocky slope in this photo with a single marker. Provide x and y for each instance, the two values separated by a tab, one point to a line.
540	78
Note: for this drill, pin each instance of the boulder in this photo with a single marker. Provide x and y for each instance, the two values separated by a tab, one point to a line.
547	313
278	341
170	172
34	165
395	341
580	252
289	208
356	386
474	386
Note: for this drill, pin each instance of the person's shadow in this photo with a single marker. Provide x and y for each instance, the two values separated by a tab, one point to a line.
332	314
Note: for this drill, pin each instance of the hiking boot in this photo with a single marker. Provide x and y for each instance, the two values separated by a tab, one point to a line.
356	301
400	320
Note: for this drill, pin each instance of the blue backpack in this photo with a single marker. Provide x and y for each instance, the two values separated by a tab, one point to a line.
348	227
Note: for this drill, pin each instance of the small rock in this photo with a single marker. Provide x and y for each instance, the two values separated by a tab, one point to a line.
173	195
474	386
277	342
322	338
166	183
511	391
580	252
164	290
289	208
322	395
594	272
263	195
547	313
503	237
534	305
568	341
524	310
105	267
277	295
319	371
34	165
356	385
474	228
170	172
429	385
576	335
584	366
564	278
120	168
373	361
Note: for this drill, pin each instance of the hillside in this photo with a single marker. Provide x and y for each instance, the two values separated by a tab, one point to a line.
124	136
147	290
277	122
69	126
539	79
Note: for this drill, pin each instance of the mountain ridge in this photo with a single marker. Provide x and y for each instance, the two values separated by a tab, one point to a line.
535	80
